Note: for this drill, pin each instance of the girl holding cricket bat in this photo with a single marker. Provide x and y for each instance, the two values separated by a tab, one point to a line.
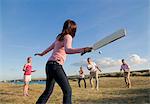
54	69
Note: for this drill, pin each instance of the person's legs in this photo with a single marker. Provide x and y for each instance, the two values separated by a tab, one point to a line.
126	82
26	85
96	79
129	82
84	82
79	82
62	80
91	79
125	78
25	88
50	82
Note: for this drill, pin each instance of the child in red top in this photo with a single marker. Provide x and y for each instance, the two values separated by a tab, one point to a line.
54	69
27	75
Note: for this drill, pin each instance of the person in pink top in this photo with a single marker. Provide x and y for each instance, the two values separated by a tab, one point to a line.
54	69
126	70
27	75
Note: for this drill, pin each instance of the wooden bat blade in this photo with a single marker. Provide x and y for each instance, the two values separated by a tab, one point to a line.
109	39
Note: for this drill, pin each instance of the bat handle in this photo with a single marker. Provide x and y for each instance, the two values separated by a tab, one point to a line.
83	53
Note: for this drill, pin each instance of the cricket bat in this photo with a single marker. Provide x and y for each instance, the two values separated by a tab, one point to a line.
109	39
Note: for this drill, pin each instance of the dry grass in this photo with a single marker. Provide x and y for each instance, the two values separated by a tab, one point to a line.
112	91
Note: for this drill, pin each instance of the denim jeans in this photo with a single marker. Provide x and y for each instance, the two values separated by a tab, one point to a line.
83	80
55	72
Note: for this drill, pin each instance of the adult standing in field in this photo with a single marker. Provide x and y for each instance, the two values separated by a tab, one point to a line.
125	67
27	75
81	77
94	70
54	69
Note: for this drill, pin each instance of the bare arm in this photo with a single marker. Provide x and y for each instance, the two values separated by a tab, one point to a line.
47	50
68	46
98	68
121	69
33	71
89	68
129	68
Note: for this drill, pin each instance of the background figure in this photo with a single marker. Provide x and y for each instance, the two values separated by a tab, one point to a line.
81	77
93	68
126	75
27	75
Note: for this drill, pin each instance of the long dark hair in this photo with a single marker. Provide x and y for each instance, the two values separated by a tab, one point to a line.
68	28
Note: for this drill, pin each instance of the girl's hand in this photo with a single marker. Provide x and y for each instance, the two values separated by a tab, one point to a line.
33	70
39	54
86	49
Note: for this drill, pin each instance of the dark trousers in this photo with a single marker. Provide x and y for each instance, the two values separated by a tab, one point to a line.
55	72
83	80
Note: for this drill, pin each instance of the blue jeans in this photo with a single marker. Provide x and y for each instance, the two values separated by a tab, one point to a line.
55	72
83	80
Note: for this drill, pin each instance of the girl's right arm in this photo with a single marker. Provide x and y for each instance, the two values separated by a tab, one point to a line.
70	50
47	50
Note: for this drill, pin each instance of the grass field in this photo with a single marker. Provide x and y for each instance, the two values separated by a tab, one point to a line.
112	91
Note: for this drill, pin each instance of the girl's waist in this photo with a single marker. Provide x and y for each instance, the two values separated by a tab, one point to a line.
57	59
27	73
53	62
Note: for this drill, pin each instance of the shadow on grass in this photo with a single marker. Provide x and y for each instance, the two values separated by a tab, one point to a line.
129	96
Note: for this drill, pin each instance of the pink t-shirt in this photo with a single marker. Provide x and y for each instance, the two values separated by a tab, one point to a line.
28	69
125	67
62	48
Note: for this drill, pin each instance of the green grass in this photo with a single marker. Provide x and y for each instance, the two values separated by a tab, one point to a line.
112	91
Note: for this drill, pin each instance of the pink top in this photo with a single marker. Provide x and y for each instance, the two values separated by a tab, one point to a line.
125	67
62	48
28	69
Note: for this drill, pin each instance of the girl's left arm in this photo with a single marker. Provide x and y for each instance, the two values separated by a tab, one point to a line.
46	50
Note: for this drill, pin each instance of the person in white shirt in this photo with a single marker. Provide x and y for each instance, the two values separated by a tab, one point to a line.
94	70
81	77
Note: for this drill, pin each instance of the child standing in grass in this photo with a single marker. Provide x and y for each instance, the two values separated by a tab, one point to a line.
81	77
27	75
126	70
54	69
